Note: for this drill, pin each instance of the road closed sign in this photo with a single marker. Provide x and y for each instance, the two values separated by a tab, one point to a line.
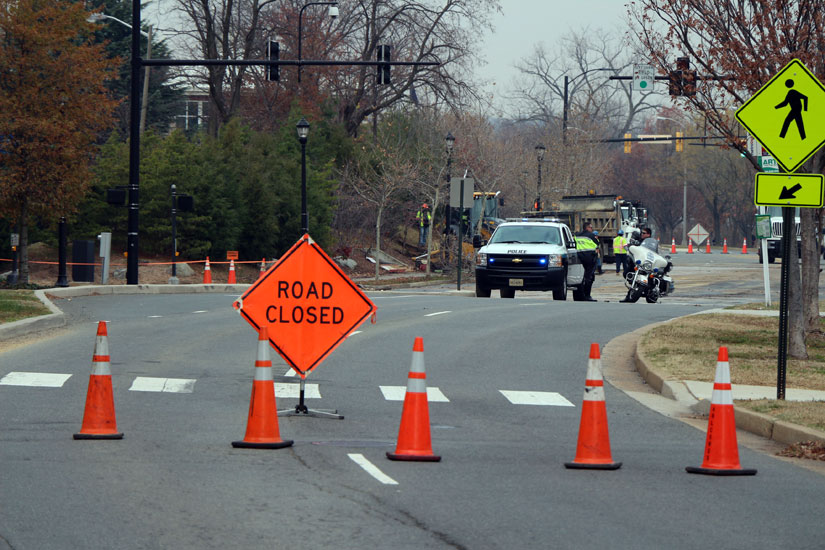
307	303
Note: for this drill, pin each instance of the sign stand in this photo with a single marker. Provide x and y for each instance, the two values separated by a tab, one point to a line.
302	410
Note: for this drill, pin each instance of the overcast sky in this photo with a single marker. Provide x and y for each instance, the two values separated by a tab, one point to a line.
525	23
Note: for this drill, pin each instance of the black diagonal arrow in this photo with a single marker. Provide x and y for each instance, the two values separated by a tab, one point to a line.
789	193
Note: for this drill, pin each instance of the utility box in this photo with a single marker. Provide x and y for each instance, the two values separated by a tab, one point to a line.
83	252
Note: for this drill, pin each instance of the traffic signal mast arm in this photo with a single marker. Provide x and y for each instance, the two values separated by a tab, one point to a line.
284	62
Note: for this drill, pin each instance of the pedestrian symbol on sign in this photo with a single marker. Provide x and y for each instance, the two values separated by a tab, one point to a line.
798	103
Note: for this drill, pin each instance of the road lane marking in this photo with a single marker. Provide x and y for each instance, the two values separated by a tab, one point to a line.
398	393
164	385
371	469
155	316
437	313
536	398
35	379
294	390
200	311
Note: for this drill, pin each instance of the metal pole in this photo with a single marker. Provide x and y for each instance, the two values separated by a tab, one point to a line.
13	276
144	108
62	237
564	115
460	230
788	231
684	203
538	189
134	152
174	279
304	212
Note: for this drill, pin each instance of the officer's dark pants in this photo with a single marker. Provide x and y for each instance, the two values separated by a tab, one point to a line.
589	262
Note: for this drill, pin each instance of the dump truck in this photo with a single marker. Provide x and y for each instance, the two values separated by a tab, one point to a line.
608	213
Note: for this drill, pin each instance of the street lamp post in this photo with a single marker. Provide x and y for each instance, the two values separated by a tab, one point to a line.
540	150
567	82
333	13
303	131
684	187
144	106
174	279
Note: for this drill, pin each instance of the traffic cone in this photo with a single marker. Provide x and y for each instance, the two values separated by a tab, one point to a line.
593	450
690	246
414	433
725	246
263	268
231	280
721	452
99	420
262	424
673	246
207	273
707	248
745	245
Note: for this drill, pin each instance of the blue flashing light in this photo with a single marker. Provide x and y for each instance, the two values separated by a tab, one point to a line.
655	270
491	260
543	261
638	262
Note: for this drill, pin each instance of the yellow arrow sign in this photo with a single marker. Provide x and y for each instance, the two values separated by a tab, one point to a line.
787	115
804	190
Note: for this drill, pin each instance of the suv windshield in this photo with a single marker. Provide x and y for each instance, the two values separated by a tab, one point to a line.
544	234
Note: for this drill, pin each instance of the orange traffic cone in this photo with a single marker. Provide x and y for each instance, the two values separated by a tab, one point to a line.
690	246
721	452
231	280
745	245
263	268
262	425
593	450
99	417
414	433
673	246
725	246
207	273
707	248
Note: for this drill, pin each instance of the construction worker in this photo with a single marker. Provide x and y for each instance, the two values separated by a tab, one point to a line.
620	252
424	218
587	244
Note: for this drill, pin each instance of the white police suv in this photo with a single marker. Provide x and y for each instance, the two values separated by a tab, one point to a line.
528	254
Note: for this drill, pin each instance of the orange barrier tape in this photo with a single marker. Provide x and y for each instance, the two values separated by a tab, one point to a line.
139	264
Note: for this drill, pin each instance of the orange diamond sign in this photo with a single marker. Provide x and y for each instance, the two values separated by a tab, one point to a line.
307	303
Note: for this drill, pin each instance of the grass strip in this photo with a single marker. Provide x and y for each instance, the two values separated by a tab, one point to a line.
20	304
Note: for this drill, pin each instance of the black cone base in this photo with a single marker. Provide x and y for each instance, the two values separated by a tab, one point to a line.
414	458
583	466
98	436
276	445
715	472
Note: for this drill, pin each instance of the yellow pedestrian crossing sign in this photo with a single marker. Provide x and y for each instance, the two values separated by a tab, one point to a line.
787	115
805	190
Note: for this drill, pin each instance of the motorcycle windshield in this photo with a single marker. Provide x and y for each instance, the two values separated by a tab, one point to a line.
651	244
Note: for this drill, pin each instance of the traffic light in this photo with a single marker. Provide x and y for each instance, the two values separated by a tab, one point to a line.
675	83
273	53
689	82
384	68
627	143
680	144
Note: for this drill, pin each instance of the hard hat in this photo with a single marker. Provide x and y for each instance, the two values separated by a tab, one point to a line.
424	205
595	232
621	232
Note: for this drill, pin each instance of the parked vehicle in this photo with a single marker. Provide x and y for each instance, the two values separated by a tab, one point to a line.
649	275
528	254
774	242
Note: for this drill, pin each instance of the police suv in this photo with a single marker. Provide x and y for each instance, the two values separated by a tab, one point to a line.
529	254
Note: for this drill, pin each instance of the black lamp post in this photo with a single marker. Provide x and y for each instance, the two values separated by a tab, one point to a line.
333	13
540	150
449	141
174	279
303	131
567	81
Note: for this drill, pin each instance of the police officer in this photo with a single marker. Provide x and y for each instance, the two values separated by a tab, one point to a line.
620	252
587	244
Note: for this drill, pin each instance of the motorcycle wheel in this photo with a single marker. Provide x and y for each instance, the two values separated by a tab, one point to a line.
652	298
634	295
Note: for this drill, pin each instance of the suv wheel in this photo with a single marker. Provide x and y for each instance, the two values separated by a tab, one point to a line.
561	292
508	292
482	292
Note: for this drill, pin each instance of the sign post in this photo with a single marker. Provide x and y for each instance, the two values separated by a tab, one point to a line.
763	232
309	306
787	116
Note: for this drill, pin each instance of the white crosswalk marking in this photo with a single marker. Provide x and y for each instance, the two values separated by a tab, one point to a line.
536	398
371	469
35	379
397	393
166	385
294	390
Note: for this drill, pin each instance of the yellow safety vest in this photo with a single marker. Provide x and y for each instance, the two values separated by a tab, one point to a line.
620	244
585	243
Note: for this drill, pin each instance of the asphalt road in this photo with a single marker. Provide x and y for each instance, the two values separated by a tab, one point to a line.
174	481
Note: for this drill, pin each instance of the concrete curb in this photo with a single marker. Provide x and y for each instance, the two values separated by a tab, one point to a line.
750	421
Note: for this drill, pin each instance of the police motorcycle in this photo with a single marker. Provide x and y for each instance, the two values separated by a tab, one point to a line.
647	273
